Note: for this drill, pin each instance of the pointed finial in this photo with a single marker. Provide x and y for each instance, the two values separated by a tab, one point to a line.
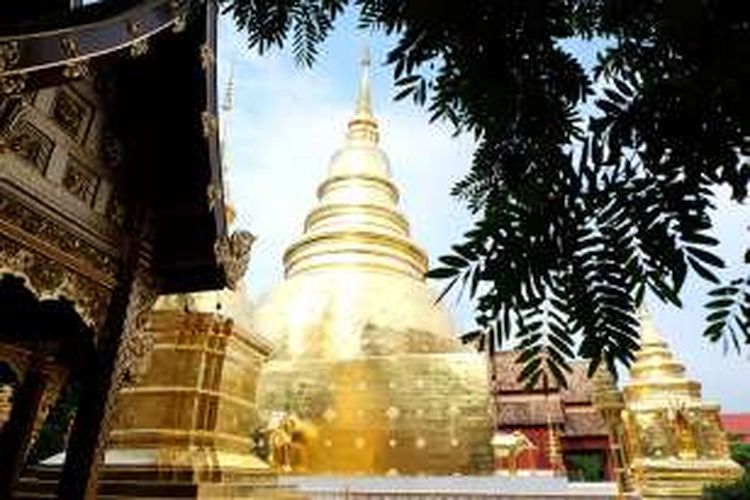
649	332
364	100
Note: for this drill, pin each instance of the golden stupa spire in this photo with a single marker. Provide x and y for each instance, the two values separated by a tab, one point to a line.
357	224
656	376
363	126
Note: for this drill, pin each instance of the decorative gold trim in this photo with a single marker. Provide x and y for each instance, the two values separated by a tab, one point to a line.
213	193
233	254
9	56
139	47
48	277
179	11
210	124
75	67
154	4
89	55
208	58
30	228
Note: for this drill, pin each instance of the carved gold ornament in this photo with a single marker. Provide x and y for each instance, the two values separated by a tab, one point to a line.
74	69
9	56
180	13
52	234
207	56
233	254
210	124
213	193
139	46
137	340
50	278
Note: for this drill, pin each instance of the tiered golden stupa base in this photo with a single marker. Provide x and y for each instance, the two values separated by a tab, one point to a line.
189	419
378	415
675	478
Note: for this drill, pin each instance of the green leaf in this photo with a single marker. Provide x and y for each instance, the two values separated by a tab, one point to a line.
441	273
453	261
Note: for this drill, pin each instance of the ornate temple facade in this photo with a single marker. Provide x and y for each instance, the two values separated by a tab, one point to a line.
364	361
104	204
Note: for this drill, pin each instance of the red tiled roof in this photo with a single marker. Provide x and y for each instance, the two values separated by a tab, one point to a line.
580	386
736	423
529	412
587	422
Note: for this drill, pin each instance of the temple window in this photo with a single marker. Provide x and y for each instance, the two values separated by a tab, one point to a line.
80	181
72	113
32	144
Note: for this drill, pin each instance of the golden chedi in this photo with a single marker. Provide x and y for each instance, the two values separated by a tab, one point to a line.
674	441
193	409
365	364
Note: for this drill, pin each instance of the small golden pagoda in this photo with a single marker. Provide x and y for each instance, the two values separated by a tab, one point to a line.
675	441
193	409
366	364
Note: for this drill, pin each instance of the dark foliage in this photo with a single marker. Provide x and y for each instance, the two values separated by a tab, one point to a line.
738	490
576	216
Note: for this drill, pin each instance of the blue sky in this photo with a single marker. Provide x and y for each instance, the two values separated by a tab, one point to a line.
287	121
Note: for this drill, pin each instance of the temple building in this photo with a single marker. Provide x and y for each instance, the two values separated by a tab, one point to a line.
567	416
365	364
104	204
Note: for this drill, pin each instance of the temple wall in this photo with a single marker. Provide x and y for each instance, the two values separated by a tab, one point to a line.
58	217
396	414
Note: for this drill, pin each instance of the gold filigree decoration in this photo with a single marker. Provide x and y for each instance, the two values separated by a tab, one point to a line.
139	46
80	181
9	57
213	192
208	58
233	254
51	279
14	212
180	23
137	339
70	113
134	349
180	20
31	144
210	124
74	68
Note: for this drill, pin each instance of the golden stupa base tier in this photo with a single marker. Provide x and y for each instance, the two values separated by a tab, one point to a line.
400	414
665	478
184	429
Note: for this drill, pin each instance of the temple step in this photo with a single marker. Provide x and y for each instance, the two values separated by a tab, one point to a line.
142	483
